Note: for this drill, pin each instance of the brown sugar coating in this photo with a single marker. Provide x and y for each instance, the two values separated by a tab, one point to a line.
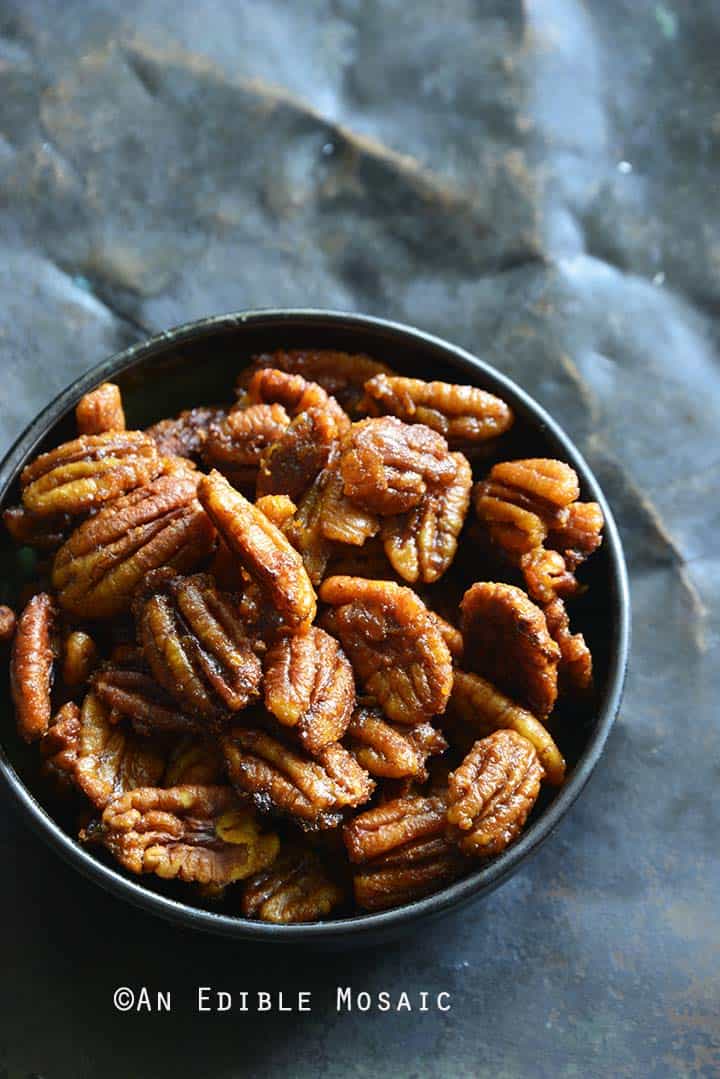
257	648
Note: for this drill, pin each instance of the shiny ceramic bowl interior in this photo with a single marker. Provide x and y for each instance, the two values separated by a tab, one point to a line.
198	364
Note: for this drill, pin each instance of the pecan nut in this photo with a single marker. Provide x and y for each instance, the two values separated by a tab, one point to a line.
476	708
100	410
269	385
394	645
309	686
194	760
81	475
580	534
197	648
390	751
59	747
296	888
79	658
134	695
45	533
492	793
341	374
262	549
191	833
104	561
506	639
421	544
461	414
236	444
185	435
387	828
31	666
575	668
313	791
387	465
299	453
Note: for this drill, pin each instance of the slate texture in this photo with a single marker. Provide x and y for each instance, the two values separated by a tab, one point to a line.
538	182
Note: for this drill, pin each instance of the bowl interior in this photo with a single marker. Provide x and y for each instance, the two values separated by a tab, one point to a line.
199	365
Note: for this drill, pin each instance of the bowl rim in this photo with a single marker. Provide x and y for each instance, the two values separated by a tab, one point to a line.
481	881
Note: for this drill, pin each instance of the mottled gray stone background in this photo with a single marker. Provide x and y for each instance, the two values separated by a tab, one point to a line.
538	182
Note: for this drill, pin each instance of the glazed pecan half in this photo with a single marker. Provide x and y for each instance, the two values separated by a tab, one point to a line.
507	640
462	414
492	792
262	549
309	686
193	833
341	374
79	657
111	760
394	645
297	887
81	475
31	666
292	462
579	535
387	465
196	646
134	695
185	435
236	444
45	533
295	393
100	410
387	828
313	791
389	750
476	708
575	669
59	747
421	544
99	568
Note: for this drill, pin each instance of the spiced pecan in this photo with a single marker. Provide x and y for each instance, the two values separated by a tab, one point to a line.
387	465
101	565
341	374
521	500
81	475
462	414
476	708
313	791
277	508
236	443
31	666
297	887
386	829
547	575
421	544
134	695
391	751
262	549
7	624
299	453
304	530
45	533
79	658
196	646
575	668
492	792
394	645
111	760
192	833
579	535
59	746
506	639
100	410
450	634
185	435
194	760
269	385
309	686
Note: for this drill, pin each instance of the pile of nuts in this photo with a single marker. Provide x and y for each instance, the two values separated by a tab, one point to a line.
258	653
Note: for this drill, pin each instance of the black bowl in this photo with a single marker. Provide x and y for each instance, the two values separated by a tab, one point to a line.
197	363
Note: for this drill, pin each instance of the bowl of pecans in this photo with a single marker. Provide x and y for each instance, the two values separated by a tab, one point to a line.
313	625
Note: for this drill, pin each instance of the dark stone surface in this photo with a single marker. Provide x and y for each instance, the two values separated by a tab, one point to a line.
537	182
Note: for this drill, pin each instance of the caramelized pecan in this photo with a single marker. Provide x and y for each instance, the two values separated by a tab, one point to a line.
389	750
196	646
341	374
387	465
311	790
100	410
45	533
277	508
262	549
461	414
99	568
580	534
506	639
575	669
193	833
79	658
236	443
547	575
59	746
421	544
492	792
110	760
309	686
136	696
194	760
296	888
81	475
292	462
31	666
476	708
394	645
7	624
521	500
185	435
387	828
295	393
